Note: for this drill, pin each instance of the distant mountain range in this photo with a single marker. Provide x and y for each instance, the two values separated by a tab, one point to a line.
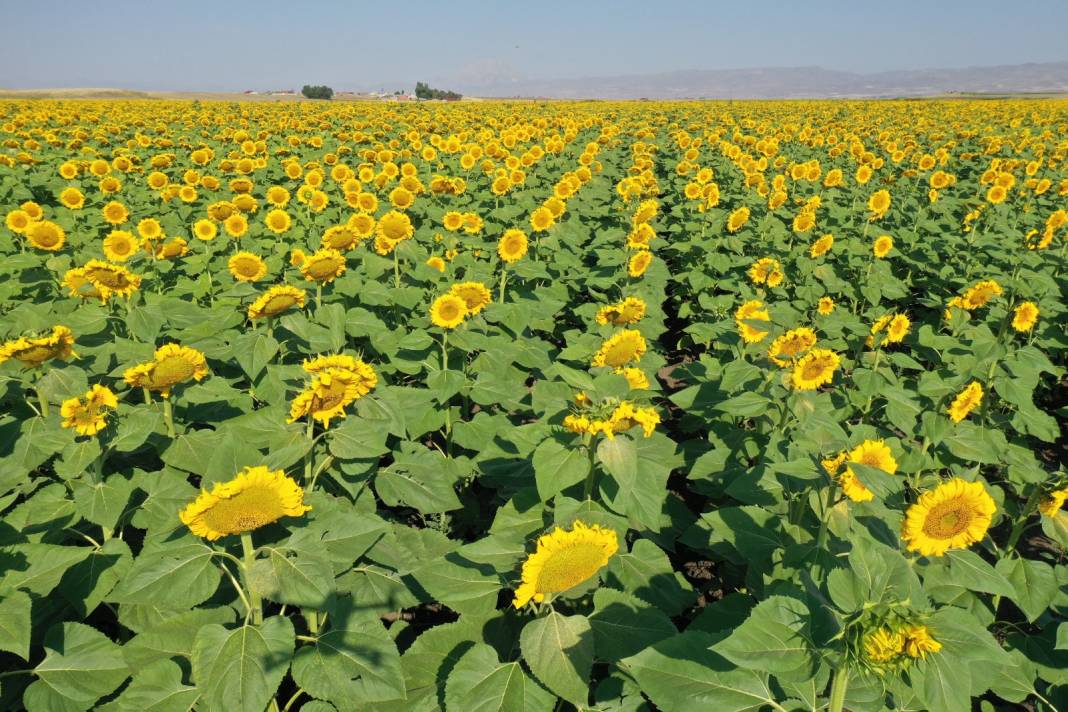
787	82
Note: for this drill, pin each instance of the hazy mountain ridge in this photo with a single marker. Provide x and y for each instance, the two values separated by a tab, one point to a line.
789	82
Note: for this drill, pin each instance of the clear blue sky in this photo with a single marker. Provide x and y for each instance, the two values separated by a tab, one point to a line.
233	45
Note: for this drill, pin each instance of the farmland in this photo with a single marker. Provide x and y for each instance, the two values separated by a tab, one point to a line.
533	405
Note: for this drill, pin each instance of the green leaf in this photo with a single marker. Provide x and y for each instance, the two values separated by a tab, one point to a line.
299	578
359	438
173	636
104	502
418	482
683	673
1034	582
975	444
970	571
647	573
240	669
81	664
156	687
253	351
774	638
136	423
15	624
177	577
746	405
557	467
462	585
559	651
624	625
354	662
77	457
481	683
38	568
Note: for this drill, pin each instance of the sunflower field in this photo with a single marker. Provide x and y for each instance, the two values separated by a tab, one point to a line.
533	406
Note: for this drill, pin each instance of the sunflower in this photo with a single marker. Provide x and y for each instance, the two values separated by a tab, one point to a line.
276	300
620	349
629	311
34	351
1053	502
821	246
542	219
278	196
1025	316
72	198
919	642
88	417
46	235
646	211
105	280
996	195
979	294
205	230
255	497
453	221
18	221
815	369
35	211
563	560
636	378
512	246
737	219
882	246
825	305
362	224
898	329
752	310
475	295
236	225
873	453
883	645
171	365
150	229
247	267
120	245
115	213
330	392
638	263
277	221
448	311
804	221
966	401
323	266
436	263
791	344
472	223
954	515
393	227
175	247
766	270
365	378
879	204
339	237
640	237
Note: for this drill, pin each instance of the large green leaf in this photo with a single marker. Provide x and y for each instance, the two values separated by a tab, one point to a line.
81	664
479	682
240	669
173	576
623	625
559	651
775	638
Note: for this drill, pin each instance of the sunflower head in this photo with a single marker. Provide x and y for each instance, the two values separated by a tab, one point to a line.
448	311
815	369
639	262
171	365
88	415
274	301
247	267
323	266
255	497
34	351
476	296
512	246
46	235
954	515
620	349
330	392
564	559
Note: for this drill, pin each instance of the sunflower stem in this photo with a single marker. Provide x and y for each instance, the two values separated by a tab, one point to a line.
309	456
875	370
255	605
504	281
168	417
396	269
838	689
147	395
311	617
587	489
42	401
1021	523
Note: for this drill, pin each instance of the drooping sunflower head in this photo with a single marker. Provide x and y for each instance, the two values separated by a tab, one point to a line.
88	415
174	247
476	295
365	377
323	266
966	401
954	515
737	219
274	301
979	294
255	498
448	311
564	559
751	311
787	347
171	365
512	246
620	349
815	369
639	262
330	392
340	238
247	267
33	351
822	246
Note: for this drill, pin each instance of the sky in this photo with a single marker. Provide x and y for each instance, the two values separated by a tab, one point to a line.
233	45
